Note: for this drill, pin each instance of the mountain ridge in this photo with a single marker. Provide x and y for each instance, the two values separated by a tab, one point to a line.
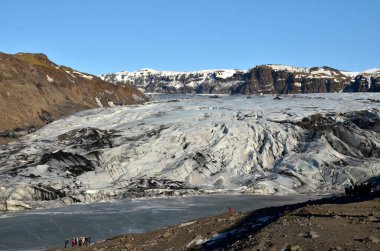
35	91
265	79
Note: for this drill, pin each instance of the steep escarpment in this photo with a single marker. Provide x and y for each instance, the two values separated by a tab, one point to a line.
35	91
364	83
269	79
263	79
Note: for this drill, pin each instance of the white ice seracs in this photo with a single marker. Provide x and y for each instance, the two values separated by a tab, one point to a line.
193	144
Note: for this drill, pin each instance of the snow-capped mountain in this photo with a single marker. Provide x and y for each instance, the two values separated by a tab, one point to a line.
208	81
260	79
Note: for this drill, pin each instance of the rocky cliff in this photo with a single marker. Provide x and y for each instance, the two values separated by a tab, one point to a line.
368	81
35	91
265	79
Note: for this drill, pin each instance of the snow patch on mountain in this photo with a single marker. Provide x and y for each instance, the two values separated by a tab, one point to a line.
319	71
372	71
351	74
49	79
280	67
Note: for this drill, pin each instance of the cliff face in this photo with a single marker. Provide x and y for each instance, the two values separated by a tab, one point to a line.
271	80
266	79
364	83
35	91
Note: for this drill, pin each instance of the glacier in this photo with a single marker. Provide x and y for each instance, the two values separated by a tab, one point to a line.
178	145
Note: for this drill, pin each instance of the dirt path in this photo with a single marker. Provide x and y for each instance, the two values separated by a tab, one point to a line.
328	224
353	226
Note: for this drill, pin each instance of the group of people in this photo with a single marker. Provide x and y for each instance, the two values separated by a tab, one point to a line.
78	241
358	189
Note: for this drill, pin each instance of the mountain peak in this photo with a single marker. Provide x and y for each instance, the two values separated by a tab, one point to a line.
35	59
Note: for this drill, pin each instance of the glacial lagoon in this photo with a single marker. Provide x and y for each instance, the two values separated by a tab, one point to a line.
47	228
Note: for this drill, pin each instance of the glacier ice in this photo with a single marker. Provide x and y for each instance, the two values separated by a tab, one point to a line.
185	145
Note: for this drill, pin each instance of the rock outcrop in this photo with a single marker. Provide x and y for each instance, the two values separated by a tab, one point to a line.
265	79
365	82
35	91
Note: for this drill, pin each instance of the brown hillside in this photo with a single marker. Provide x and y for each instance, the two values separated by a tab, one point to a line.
35	91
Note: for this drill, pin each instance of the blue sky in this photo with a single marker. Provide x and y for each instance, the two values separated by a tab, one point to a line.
107	36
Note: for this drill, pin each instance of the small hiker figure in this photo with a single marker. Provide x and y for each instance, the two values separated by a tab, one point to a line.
73	242
66	243
277	97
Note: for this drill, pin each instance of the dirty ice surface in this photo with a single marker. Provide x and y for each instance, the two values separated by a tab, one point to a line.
186	145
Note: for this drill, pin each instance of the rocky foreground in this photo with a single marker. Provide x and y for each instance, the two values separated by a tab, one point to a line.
336	223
